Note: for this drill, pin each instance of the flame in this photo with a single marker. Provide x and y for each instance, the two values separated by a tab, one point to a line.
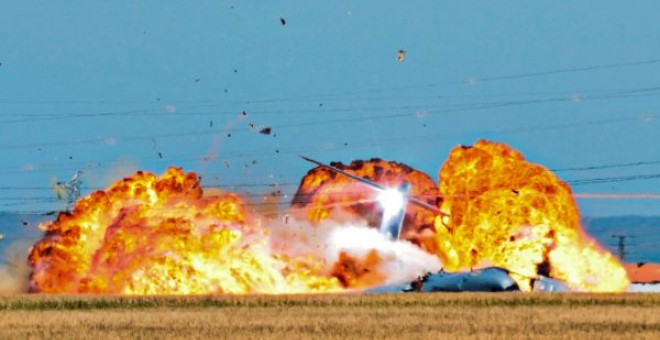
326	195
160	235
149	234
514	214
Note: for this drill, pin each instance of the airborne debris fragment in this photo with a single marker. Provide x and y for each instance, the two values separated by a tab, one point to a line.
400	56
25	223
265	130
197	80
211	123
2	236
160	155
70	191
283	21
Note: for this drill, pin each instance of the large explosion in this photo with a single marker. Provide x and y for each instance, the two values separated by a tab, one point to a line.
326	195
160	235
517	215
163	235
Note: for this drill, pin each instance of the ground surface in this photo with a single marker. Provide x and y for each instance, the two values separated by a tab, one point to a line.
430	316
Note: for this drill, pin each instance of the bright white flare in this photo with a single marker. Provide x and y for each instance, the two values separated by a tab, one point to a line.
391	200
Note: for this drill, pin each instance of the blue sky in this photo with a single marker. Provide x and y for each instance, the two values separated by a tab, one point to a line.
109	87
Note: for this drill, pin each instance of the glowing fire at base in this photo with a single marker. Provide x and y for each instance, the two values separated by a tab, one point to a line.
159	235
514	214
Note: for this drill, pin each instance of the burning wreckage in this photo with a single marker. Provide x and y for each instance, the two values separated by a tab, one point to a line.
495	222
394	202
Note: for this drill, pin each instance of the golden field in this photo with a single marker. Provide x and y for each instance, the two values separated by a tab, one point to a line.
431	316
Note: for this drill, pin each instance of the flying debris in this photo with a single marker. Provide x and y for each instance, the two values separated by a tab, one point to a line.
160	155
400	56
265	130
211	123
25	223
283	21
2	236
197	80
69	191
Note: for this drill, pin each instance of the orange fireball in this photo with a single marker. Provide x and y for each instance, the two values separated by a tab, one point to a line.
324	194
160	235
511	213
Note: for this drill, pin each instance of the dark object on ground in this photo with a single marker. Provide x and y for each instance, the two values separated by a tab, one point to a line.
491	279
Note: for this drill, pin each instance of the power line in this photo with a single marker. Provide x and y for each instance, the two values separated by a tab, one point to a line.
464	108
390	142
607	166
635	92
612	179
494	78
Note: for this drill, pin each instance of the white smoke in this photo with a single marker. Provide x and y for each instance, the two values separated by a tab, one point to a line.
400	261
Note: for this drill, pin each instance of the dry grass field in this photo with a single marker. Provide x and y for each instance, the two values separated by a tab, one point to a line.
429	316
